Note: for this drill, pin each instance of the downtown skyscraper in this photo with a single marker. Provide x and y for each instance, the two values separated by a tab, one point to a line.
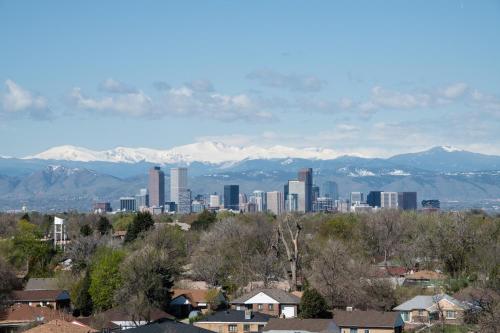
179	192
306	176
156	187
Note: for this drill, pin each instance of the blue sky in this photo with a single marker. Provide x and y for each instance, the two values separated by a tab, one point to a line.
369	77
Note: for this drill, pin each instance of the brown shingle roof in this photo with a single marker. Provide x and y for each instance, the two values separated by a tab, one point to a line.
38	295
19	313
60	326
366	319
311	325
120	314
425	275
194	296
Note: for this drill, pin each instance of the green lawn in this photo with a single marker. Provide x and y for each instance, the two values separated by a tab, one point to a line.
449	329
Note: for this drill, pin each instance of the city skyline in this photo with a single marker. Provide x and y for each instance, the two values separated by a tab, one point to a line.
368	78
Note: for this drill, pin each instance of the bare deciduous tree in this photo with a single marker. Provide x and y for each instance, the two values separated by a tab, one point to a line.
288	233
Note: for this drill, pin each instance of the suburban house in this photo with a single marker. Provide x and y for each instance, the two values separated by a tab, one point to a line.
274	302
168	327
56	299
186	300
18	316
424	278
61	326
368	321
234	321
120	317
295	325
424	310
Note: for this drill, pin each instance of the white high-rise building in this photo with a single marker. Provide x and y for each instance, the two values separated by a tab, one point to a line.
179	192
356	198
275	202
260	200
389	200
299	188
214	201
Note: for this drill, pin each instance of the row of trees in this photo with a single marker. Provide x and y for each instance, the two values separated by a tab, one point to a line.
332	254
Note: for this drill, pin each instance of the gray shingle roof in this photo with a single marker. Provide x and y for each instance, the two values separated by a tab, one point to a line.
423	302
280	296
41	284
235	316
168	327
295	324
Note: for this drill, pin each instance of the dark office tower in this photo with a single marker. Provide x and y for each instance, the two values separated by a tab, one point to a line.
231	197
374	199
407	200
306	176
330	190
285	190
315	193
156	187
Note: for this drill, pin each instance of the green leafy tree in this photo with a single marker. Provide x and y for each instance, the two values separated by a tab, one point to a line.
105	277
143	221
86	230
80	296
313	305
103	225
204	220
147	279
27	249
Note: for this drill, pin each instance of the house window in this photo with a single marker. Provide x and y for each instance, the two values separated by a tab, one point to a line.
232	328
367	331
260	306
246	328
353	330
405	315
270	307
420	313
451	314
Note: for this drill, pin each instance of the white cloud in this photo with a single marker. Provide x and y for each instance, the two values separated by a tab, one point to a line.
113	86
17	100
178	101
292	82
455	90
133	104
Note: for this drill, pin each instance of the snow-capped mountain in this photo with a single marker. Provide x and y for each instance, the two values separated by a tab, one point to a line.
207	152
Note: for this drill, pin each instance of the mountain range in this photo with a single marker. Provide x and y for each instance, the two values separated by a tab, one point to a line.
68	177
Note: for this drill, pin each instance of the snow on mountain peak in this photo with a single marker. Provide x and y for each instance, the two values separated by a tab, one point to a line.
450	149
206	151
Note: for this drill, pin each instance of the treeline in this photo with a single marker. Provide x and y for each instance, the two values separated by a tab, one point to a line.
334	254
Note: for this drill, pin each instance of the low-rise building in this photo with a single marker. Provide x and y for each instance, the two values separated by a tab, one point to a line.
186	300
234	321
295	325
424	309
368	321
55	299
274	302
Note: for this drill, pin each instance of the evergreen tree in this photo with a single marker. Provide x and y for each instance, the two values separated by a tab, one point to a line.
86	230
103	225
82	301
204	220
143	221
313	305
